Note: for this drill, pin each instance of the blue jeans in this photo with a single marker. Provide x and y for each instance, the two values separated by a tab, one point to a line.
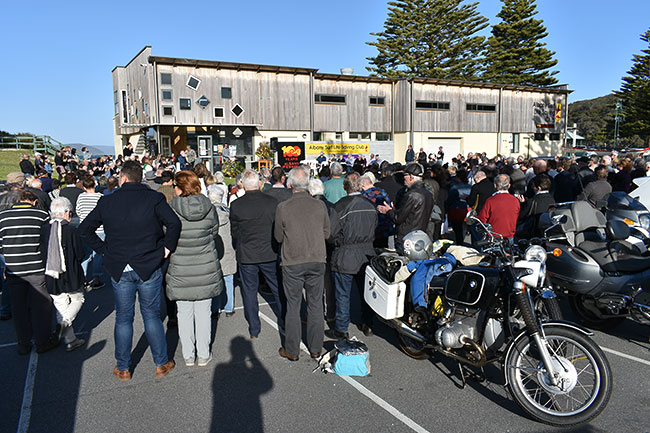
343	288
226	300
94	259
150	295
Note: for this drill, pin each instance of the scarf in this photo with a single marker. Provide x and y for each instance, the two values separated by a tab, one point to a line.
55	264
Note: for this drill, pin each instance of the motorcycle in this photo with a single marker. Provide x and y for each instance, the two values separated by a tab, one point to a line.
622	207
484	315
606	278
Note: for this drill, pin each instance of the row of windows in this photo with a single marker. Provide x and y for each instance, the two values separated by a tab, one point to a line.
541	136
420	105
379	136
186	104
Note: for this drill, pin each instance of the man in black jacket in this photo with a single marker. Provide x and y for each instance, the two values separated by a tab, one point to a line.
278	190
481	191
417	204
135	247
388	182
353	232
251	223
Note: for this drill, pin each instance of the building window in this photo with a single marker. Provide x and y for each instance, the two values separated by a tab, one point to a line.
338	136
481	107
316	136
554	136
329	99
218	112
431	105
193	82
166	95
382	136
377	100
237	110
146	110
359	136
539	136
515	143
166	79
203	102
168	111
116	102
125	107
185	103
226	93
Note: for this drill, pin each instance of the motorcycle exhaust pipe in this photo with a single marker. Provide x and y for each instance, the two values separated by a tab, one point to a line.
405	330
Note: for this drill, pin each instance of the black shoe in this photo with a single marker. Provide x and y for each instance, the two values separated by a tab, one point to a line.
24	349
4	317
336	335
78	342
51	344
365	328
422	313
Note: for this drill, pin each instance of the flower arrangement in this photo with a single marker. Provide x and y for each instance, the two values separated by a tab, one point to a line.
231	168
264	152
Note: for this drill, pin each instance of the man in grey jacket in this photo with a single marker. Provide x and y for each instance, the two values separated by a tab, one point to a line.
301	225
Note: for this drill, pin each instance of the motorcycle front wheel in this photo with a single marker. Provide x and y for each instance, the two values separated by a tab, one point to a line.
584	384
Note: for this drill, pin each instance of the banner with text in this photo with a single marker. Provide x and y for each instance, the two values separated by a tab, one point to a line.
338	148
290	153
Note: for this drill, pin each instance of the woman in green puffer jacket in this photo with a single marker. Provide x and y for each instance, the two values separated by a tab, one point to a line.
194	275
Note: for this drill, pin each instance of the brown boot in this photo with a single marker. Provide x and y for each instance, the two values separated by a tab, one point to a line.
123	375
164	369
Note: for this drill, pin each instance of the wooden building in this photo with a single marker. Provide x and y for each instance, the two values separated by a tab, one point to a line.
167	103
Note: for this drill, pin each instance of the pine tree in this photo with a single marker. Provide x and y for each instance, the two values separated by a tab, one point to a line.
516	53
430	38
635	94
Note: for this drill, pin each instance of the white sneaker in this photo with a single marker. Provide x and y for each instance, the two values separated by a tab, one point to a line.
204	361
189	362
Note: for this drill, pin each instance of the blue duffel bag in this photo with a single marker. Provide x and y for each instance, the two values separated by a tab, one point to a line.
352	358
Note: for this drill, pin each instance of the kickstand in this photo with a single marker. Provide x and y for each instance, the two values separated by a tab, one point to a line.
462	376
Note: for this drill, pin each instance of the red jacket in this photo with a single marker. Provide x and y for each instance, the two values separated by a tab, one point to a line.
501	211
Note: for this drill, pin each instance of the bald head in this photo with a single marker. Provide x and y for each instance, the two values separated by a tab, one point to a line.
539	166
502	182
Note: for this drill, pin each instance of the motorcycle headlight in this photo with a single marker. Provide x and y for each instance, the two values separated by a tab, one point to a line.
644	220
535	253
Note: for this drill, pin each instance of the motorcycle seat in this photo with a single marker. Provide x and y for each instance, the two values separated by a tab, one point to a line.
627	258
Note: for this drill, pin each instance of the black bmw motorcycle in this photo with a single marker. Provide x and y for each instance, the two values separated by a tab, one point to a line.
484	314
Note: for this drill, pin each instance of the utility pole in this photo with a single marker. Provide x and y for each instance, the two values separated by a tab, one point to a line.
619	107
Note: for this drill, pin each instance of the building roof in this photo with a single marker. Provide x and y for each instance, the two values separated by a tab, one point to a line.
176	61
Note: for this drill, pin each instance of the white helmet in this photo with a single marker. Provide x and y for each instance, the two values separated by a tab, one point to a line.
417	245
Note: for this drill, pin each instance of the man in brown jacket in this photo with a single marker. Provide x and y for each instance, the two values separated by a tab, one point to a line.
302	224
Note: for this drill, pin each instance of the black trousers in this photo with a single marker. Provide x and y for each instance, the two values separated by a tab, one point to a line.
31	307
309	276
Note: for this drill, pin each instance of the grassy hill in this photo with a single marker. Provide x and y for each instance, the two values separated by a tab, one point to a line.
9	160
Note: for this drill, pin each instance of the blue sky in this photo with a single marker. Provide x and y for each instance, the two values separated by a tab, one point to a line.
56	57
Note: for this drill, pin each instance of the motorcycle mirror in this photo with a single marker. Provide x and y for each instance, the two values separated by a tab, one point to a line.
559	219
470	218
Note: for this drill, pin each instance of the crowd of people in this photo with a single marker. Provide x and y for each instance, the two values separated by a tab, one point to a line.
178	237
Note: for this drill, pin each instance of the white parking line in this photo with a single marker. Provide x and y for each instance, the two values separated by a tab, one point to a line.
365	391
28	393
625	355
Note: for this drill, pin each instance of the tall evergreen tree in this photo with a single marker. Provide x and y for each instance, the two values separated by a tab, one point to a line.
635	94
430	38
516	53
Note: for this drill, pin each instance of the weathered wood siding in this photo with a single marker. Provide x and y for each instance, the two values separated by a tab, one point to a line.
402	106
522	111
356	114
271	100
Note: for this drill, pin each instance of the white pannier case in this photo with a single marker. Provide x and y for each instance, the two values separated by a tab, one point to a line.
385	299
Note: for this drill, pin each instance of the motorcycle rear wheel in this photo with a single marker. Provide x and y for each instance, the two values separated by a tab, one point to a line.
583	368
411	347
548	308
589	319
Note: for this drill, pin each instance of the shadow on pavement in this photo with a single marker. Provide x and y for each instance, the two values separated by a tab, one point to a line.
237	388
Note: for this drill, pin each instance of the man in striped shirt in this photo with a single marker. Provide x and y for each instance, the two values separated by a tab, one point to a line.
31	305
86	202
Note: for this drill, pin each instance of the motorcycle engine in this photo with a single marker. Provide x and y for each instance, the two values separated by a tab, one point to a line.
450	335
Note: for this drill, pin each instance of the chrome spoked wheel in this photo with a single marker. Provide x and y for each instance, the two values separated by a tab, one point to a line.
583	384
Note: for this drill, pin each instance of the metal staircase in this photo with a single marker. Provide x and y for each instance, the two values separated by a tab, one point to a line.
37	143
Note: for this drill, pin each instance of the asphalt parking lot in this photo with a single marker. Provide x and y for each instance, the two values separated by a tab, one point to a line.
248	387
